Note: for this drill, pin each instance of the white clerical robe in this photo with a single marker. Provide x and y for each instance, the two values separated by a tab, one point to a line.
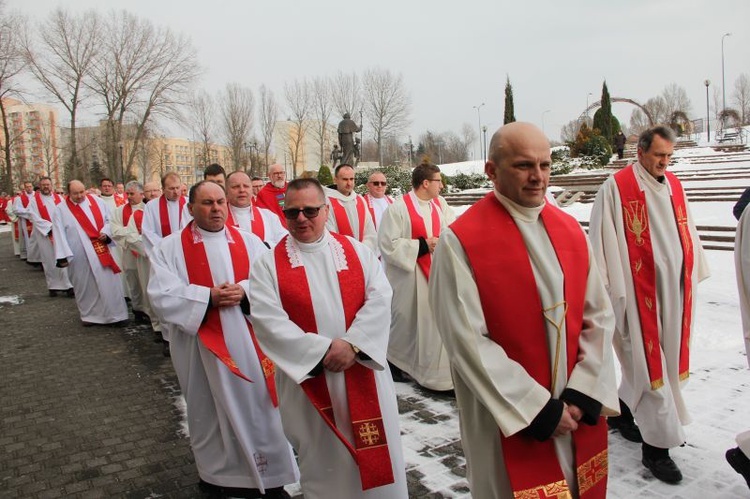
98	291
272	228
57	279
126	237
11	212
235	432
660	413
415	346
29	251
494	392
328	470
379	205
370	238
116	250
742	267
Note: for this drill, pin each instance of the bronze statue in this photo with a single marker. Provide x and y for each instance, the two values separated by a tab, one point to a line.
335	156
347	129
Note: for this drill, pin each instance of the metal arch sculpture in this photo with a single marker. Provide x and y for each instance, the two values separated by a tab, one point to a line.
598	104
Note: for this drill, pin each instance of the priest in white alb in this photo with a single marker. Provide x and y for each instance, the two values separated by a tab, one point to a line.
112	202
80	228
320	306
126	226
407	237
528	328
42	206
246	215
648	251
376	198
348	213
21	202
199	285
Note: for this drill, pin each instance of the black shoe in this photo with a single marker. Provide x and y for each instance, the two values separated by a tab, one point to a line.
52	293
119	324
141	318
657	461
276	493
397	374
70	293
739	462
627	428
165	349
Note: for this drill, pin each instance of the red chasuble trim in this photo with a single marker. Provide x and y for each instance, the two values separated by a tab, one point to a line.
25	199
505	280
342	219
92	232
211	332
371	208
643	269
418	229
257	227
166	227
370	449
43	211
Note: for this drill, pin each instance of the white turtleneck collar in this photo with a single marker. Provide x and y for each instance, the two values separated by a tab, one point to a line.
520	212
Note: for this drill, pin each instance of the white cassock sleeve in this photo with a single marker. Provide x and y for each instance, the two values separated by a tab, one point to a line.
175	301
62	248
125	236
742	266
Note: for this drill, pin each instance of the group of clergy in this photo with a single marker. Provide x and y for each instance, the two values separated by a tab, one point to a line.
287	306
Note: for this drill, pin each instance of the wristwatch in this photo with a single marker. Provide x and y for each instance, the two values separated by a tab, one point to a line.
356	350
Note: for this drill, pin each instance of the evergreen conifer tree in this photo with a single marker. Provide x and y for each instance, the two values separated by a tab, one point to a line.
603	117
510	115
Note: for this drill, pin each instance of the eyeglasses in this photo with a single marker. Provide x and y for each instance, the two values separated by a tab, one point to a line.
309	212
434	179
379	184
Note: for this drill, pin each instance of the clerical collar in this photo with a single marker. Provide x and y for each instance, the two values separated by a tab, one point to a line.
517	211
316	245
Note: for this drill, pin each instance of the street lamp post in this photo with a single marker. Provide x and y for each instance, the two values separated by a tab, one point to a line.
122	165
484	148
479	122
545	112
708	114
723	93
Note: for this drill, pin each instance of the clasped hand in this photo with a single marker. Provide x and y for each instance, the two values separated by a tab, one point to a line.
571	415
340	356
227	295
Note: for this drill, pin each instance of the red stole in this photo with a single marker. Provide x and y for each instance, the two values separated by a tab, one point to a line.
511	304
643	270
370	450
43	211
342	219
92	232
257	227
369	198
120	200
166	228
25	198
418	229
210	331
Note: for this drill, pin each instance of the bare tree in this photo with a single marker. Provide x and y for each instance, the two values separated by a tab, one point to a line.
298	101
269	113
468	136
201	110
346	93
675	99
60	59
142	72
741	97
386	105
11	65
320	90
236	108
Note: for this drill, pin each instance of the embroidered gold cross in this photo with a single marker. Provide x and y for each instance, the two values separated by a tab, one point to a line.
369	433
682	225
558	327
636	220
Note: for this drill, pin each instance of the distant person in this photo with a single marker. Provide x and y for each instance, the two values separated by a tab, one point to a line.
246	215
407	236
271	196
200	287
320	306
738	456
257	184
377	200
4	200
120	194
80	228
151	190
651	258
21	211
348	214
524	315
620	140
215	173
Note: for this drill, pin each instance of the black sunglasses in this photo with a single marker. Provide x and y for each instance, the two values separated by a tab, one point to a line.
309	212
379	184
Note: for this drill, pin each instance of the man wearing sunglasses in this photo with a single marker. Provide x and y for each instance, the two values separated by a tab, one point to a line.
320	308
407	237
376	198
348	214
199	287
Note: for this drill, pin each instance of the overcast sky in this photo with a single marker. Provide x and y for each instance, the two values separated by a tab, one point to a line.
456	54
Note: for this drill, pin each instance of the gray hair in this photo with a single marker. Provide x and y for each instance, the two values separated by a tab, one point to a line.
647	137
134	183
